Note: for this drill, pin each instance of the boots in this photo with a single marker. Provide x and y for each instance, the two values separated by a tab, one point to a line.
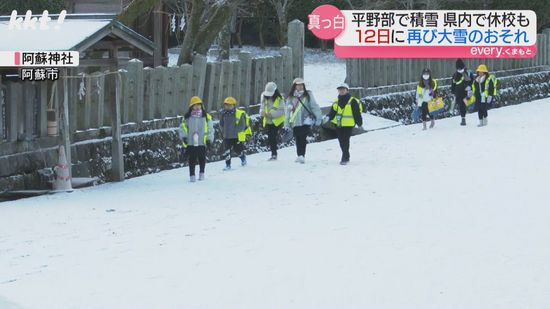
201	176
463	122
273	158
423	125
485	121
432	124
192	178
243	160
481	123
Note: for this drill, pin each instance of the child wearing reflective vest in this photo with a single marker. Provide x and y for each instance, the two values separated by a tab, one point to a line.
345	114
302	113
484	88
462	88
425	92
234	124
272	110
196	130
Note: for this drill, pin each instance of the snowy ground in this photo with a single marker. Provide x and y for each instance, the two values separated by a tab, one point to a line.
453	217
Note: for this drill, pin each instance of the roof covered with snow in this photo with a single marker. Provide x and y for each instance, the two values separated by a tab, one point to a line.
76	33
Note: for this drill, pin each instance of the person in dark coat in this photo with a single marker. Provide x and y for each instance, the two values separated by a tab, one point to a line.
462	88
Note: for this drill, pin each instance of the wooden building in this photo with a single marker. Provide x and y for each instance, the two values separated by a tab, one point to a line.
154	25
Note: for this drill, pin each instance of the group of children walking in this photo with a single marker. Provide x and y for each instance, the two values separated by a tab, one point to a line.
298	112
477	90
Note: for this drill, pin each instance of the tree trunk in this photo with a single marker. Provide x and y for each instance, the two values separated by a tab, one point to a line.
324	44
261	35
193	24
238	33
207	34
224	46
283	30
136	9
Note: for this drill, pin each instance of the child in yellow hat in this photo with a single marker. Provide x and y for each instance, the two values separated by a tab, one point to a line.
234	126
483	88
197	129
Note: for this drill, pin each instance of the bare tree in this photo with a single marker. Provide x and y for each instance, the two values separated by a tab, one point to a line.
206	20
135	9
282	7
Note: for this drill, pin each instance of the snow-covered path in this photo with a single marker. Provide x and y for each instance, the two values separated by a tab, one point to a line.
454	217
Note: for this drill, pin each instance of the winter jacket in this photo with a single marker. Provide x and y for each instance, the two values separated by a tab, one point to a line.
275	114
342	101
307	112
462	82
424	94
228	124
203	126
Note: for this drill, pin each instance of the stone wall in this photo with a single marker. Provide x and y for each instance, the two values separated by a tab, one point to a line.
148	148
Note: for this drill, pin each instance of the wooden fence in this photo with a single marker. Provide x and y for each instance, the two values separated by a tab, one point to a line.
369	73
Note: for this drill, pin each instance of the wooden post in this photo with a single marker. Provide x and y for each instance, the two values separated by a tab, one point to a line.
199	74
135	89
183	82
117	161
86	114
296	42
226	81
2	105
101	100
12	110
235	89
546	60
110	95
286	52
157	34
209	86
160	91
66	132
246	78
269	72
148	94
28	114
217	80
72	92
277	71
171	90
42	111
265	78
97	97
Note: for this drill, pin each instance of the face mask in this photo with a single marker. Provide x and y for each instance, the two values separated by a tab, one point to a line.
460	71
298	93
426	76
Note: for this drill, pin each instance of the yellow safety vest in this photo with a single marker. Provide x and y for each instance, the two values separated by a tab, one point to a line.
184	128
345	114
276	121
247	131
491	78
420	89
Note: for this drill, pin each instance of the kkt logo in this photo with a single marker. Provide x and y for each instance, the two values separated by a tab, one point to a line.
30	22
